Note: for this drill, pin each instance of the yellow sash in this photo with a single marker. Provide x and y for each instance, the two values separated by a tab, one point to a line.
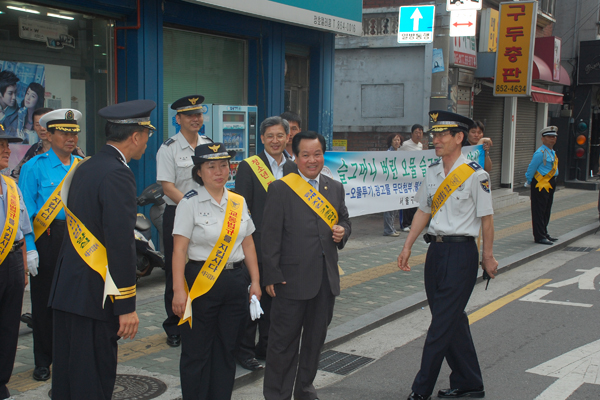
51	208
215	263
543	182
13	213
262	172
315	200
450	184
89	247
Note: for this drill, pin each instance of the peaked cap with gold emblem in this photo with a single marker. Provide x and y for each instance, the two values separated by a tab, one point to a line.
134	112
63	119
444	120
211	151
189	105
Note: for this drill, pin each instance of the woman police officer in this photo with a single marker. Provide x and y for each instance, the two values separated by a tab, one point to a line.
213	228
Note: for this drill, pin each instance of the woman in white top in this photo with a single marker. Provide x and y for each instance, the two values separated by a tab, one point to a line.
207	366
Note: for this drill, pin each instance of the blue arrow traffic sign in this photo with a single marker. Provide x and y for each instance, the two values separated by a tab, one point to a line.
415	24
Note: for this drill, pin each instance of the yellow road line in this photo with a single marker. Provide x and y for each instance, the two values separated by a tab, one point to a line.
356	278
501	302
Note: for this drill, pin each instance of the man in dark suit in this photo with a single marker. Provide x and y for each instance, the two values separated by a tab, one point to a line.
100	202
300	268
250	182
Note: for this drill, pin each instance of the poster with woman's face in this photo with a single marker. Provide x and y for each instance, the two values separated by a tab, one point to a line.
29	92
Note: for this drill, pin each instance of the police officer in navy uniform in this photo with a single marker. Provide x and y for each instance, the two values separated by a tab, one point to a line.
542	193
39	178
102	195
452	258
13	271
174	172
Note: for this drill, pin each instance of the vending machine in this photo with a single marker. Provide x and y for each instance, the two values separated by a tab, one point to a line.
235	126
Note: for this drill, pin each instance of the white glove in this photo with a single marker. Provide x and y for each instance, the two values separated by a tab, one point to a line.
33	261
527	184
255	310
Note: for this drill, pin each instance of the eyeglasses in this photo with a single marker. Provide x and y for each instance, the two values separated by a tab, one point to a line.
279	136
439	135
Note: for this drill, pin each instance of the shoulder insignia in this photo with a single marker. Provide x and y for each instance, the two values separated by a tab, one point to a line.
436	162
169	142
485	185
206	138
474	165
190	194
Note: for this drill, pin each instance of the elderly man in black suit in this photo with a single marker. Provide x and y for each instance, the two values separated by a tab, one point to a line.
305	222
253	177
100	203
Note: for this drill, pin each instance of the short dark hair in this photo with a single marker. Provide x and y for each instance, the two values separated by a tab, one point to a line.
291	116
310	135
120	132
195	177
477	124
391	138
274	121
40	91
41	111
415	127
454	131
7	78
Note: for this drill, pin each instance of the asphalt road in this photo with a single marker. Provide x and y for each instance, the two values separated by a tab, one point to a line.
537	336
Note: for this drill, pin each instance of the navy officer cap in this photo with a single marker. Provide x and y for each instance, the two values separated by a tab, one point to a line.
188	105
134	112
444	120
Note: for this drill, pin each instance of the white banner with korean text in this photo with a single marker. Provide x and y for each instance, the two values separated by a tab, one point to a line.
377	181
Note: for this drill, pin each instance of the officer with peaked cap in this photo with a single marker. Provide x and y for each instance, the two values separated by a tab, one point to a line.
463	205
13	263
174	172
541	175
94	306
40	181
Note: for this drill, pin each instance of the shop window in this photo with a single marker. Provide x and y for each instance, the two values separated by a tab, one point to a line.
62	60
547	6
297	81
196	63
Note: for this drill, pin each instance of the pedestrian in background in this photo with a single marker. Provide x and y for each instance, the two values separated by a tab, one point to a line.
412	144
394	141
475	137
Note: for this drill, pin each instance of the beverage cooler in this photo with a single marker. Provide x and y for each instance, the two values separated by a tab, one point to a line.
235	126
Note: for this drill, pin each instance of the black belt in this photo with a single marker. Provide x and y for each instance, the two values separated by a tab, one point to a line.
229	265
447	239
16	246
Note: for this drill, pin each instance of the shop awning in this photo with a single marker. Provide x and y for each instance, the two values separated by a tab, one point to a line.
543	72
540	95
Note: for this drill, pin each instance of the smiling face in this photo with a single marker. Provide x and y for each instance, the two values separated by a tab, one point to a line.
214	174
4	153
446	144
190	123
274	140
310	158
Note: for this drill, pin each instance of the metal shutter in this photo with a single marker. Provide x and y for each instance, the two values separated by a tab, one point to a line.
525	143
490	110
463	104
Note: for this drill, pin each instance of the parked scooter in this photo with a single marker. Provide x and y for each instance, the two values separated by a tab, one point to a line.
148	257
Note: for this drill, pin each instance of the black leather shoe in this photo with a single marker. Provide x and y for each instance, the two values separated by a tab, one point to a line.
174	340
414	396
27	318
251	364
544	241
552	239
41	374
478	393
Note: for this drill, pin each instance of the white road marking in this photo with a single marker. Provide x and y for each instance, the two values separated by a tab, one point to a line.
536	297
585	280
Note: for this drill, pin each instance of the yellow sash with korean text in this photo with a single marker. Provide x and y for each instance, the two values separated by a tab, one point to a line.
215	263
51	207
315	200
543	182
450	184
262	172
13	213
89	248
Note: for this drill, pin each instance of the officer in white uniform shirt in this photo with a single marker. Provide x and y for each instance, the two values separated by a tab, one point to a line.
174	172
463	205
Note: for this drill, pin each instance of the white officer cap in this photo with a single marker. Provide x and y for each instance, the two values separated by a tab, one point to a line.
549	131
63	119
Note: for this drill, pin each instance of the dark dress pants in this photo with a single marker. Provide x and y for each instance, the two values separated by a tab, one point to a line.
407	216
290	320
85	357
48	246
541	208
450	275
12	286
207	365
248	348
170	324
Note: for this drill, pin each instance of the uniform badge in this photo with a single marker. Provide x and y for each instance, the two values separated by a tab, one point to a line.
214	148
190	194
70	115
485	185
434	116
193	100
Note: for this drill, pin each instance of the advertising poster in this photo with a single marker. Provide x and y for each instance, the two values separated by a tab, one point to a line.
377	181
